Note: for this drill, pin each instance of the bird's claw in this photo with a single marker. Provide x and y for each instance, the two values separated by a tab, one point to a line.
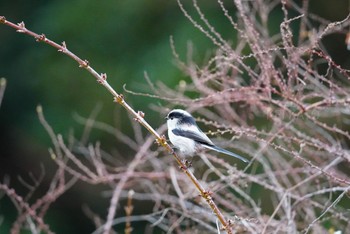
186	164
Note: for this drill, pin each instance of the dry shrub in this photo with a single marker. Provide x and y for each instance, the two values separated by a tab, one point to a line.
284	104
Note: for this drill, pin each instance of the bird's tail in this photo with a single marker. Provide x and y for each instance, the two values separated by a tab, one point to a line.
221	150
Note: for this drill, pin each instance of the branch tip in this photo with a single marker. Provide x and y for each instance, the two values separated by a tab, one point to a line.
52	154
2	82
131	193
39	109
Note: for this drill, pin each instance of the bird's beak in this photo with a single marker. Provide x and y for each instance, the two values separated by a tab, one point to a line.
166	117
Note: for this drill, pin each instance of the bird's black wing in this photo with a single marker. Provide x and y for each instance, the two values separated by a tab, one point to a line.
192	135
208	144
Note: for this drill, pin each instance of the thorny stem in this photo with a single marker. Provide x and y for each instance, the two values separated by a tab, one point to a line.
128	210
21	203
161	140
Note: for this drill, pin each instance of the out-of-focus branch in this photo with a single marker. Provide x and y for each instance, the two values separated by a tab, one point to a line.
2	88
18	200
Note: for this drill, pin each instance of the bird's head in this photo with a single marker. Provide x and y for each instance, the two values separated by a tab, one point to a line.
178	117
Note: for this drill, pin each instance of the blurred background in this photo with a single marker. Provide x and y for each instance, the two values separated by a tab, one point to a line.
124	39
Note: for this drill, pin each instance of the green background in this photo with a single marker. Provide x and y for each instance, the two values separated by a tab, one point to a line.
121	38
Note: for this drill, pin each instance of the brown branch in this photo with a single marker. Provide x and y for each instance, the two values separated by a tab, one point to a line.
31	212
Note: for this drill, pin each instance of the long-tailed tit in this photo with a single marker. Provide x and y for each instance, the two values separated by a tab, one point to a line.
186	136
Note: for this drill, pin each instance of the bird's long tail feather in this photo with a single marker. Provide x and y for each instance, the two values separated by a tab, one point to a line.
221	150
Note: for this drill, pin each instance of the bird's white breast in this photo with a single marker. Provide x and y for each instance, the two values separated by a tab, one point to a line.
186	146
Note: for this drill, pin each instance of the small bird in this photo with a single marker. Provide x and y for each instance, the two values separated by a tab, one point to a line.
186	136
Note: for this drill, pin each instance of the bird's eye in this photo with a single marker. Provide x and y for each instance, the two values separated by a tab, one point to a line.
171	118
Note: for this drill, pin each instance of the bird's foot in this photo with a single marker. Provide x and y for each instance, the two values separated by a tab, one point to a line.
186	163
